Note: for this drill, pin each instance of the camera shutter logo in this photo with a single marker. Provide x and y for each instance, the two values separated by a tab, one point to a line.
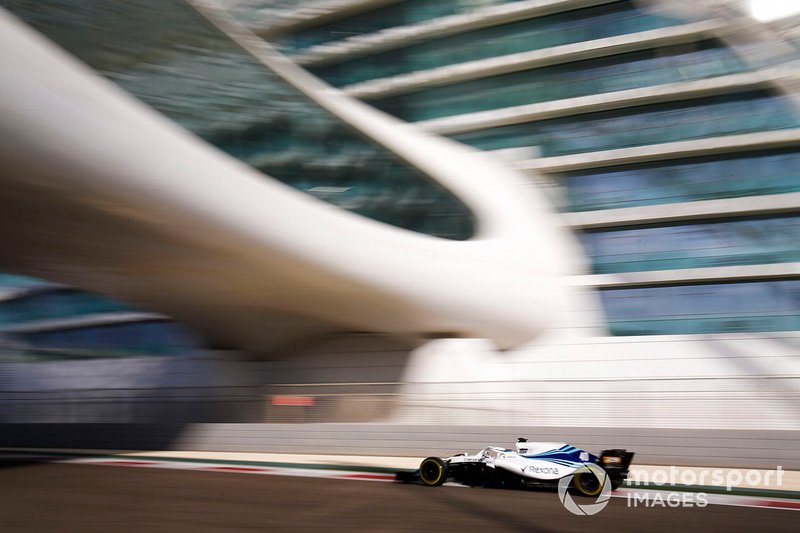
589	508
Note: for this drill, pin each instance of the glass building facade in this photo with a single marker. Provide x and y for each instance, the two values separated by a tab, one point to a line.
473	76
581	78
688	180
185	68
596	22
374	20
698	244
42	320
662	123
704	308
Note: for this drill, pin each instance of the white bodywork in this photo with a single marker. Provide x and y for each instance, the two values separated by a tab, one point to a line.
521	463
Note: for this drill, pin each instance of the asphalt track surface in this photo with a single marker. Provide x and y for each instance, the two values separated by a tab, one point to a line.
88	498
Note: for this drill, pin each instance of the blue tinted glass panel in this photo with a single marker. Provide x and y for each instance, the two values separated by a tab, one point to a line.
56	304
709	308
711	117
139	338
736	242
349	173
616	73
174	60
684	181
587	24
398	14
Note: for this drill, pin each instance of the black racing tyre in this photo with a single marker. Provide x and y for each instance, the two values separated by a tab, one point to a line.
432	472
586	483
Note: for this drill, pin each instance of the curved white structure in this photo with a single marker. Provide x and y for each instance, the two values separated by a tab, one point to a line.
102	193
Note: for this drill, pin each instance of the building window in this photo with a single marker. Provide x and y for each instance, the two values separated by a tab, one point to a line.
696	245
704	308
683	181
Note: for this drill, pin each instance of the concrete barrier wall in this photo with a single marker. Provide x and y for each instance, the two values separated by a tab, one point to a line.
726	400
722	382
724	448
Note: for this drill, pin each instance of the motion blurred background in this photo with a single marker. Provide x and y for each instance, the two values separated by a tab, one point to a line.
656	278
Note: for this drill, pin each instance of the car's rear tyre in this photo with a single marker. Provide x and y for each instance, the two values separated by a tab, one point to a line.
586	483
432	472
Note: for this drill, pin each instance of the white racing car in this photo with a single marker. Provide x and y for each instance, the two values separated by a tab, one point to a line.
532	463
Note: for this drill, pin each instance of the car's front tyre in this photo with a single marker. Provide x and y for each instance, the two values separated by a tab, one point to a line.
433	472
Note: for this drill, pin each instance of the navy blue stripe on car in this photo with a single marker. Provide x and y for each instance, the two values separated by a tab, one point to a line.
566	455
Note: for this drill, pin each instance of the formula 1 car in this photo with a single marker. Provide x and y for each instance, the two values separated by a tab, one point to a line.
531	464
